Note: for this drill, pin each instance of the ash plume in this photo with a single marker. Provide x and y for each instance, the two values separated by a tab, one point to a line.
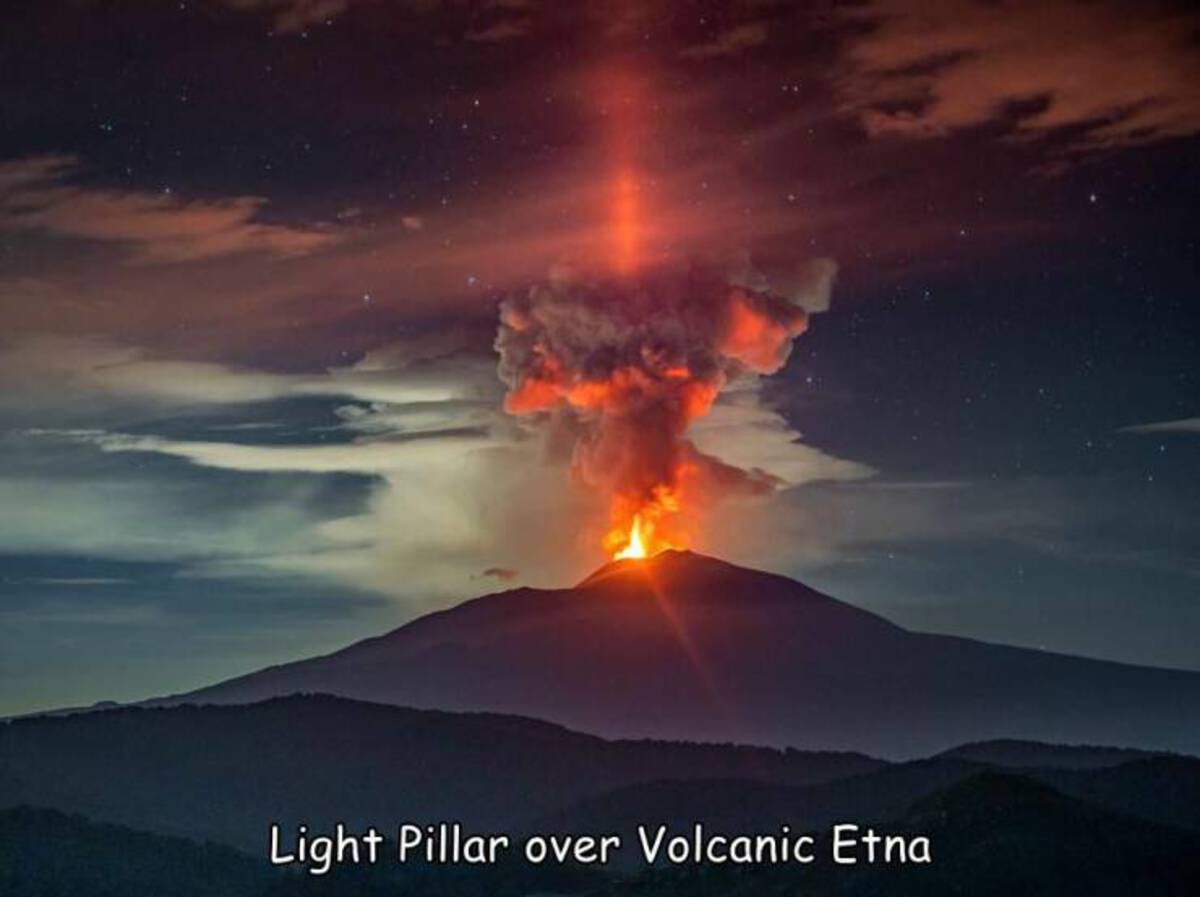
618	367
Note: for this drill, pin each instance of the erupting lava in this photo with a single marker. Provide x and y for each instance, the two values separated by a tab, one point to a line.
643	529
634	549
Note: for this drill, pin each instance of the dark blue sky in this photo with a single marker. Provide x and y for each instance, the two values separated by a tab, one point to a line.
250	261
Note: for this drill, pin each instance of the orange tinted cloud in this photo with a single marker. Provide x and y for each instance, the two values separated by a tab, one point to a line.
1121	73
729	43
293	15
157	227
758	340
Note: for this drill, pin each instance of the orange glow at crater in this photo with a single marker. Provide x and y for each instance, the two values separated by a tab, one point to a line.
643	529
634	548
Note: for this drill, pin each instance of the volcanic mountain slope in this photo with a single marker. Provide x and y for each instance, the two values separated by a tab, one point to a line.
684	646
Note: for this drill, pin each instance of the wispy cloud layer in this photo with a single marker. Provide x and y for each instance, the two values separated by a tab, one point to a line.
728	43
452	485
36	195
1112	74
1182	425
293	15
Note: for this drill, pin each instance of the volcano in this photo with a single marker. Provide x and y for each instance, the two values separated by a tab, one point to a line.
687	647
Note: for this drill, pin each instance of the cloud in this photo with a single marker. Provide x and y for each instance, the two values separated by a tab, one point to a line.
156	227
145	516
502	20
405	432
96	372
447	483
1182	425
504	574
293	15
412	456
840	522
728	43
379	271
741	431
500	31
409	386
83	581
1110	73
442	504
808	284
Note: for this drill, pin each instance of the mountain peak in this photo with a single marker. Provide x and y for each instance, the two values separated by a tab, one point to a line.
688	647
668	560
678	579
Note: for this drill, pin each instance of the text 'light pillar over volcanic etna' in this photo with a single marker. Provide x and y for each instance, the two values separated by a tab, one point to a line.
617	359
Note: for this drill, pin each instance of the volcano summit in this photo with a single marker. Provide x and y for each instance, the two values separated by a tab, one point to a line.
687	647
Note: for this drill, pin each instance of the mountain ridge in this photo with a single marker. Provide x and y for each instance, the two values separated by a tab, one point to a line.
686	647
222	772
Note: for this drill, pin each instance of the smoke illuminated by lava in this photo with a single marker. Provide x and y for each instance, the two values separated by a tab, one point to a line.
621	365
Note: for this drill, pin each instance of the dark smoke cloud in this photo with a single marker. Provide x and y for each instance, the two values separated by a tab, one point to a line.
504	574
619	367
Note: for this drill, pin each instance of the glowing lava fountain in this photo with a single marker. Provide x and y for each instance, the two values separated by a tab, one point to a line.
634	550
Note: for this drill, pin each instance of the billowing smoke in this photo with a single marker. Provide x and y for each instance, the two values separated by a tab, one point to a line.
619	367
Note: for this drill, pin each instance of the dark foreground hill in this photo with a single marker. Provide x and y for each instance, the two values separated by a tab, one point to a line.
991	835
1033	754
685	647
1163	790
224	772
44	853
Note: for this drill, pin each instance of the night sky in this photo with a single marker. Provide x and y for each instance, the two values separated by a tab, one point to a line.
252	251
